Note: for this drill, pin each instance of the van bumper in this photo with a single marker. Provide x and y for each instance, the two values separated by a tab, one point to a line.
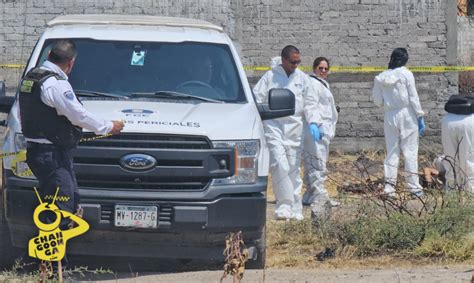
186	228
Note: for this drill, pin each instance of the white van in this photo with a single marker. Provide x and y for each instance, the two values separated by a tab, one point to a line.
192	156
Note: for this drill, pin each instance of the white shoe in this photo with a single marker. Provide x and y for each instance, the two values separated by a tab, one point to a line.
334	203
388	195
416	190
417	194
298	216
283	212
389	188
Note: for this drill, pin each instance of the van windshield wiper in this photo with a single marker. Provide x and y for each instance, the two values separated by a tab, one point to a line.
90	93
177	95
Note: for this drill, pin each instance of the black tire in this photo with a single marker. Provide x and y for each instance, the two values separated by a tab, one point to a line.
7	252
259	262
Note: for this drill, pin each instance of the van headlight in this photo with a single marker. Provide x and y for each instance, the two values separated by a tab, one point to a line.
246	170
20	167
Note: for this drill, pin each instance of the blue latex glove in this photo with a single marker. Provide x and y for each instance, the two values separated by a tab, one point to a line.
313	128
321	132
421	126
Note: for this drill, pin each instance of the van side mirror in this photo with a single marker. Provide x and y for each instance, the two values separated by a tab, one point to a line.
281	103
3	89
6	102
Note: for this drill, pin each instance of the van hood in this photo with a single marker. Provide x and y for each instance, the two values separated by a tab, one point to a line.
217	121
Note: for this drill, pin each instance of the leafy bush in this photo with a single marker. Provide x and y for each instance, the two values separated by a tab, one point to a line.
375	235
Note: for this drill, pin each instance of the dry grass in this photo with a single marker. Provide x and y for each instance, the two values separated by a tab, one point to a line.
295	244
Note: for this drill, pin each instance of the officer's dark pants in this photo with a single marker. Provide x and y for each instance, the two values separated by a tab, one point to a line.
53	167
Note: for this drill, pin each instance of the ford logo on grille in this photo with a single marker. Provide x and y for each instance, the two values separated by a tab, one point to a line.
137	161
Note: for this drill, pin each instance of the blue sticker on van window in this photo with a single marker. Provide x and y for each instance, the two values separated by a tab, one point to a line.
138	58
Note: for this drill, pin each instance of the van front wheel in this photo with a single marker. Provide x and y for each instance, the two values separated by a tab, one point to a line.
259	261
7	251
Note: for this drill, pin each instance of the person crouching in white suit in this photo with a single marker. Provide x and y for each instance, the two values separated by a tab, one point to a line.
457	135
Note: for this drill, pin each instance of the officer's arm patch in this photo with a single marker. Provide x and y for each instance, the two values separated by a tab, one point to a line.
26	86
69	94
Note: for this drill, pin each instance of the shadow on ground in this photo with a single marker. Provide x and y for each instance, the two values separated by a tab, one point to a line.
103	268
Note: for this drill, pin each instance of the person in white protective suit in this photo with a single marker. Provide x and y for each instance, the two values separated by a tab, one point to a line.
315	153
284	135
457	134
394	89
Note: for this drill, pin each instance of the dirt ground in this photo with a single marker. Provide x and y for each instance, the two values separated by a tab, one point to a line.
414	275
327	274
373	270
366	272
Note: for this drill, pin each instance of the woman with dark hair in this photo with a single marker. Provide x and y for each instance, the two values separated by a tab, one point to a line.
315	152
394	89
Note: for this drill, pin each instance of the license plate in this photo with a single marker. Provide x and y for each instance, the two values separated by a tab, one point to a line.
136	216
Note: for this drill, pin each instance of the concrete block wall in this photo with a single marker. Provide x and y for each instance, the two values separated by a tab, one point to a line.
348	32
466	40
466	53
22	21
356	33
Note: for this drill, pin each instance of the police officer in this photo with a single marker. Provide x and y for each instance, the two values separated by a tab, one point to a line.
52	119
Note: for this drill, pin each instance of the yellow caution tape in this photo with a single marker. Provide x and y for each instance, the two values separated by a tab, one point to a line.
339	69
95	138
441	69
12	66
373	69
27	173
11	153
20	156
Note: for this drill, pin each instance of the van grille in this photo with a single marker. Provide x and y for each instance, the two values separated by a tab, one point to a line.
147	183
98	162
132	140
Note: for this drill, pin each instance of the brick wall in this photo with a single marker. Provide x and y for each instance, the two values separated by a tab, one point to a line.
348	32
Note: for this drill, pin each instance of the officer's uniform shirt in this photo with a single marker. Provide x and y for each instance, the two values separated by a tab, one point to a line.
60	95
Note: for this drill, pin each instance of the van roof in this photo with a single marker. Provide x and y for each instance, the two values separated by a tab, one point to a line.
104	19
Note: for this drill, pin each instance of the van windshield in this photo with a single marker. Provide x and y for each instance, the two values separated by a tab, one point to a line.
135	69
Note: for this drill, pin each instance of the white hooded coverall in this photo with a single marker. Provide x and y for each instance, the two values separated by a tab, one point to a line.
315	153
395	90
284	139
457	134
